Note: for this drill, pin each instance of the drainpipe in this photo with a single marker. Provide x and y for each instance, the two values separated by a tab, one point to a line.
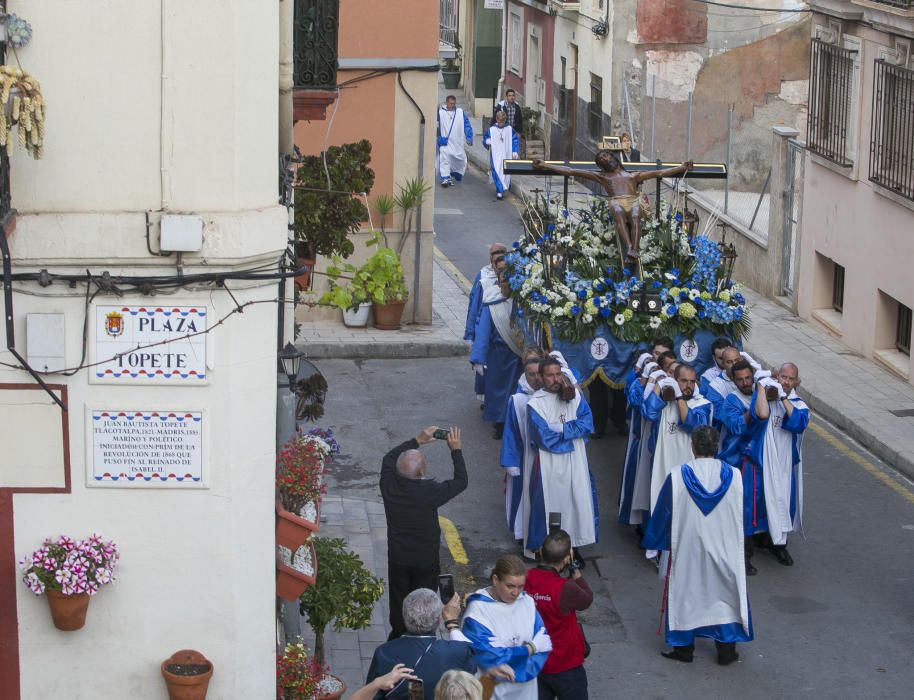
420	174
286	144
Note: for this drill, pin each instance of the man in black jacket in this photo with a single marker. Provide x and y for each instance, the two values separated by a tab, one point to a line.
411	504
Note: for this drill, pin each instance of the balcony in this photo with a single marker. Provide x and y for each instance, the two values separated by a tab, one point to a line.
315	37
897	4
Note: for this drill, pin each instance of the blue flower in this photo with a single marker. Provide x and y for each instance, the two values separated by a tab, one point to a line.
683	295
516	244
604	312
547	237
539	241
679	216
655	284
550	228
575	310
609	270
582	294
626	272
520	312
702	314
671	310
675	272
598	286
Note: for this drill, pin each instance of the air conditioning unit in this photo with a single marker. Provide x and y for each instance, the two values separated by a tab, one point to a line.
831	33
541	91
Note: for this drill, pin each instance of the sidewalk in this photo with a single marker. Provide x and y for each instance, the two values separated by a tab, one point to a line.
443	338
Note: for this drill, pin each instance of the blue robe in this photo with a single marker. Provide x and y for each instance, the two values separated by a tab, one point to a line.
634	392
503	367
512	452
543	437
657	535
474	306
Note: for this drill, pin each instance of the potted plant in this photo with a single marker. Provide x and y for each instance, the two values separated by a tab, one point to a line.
351	298
310	392
69	572
326	210
300	469
450	69
187	673
296	570
22	107
344	596
298	674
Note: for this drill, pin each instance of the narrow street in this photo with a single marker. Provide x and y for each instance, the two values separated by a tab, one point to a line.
835	625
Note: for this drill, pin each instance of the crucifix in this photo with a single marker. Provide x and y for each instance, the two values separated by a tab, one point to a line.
620	181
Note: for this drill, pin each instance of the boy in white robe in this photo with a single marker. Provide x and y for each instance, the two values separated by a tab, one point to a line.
698	519
454	133
503	144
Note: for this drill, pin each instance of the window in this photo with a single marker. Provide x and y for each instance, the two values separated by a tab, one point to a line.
595	108
447	24
892	130
516	42
903	330
831	131
837	289
315	43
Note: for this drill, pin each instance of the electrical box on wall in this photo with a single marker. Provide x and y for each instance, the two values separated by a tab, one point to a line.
181	233
46	342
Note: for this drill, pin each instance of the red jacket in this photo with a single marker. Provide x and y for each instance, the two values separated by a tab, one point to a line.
545	586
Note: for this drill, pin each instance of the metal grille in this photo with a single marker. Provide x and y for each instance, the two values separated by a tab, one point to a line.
831	78
903	330
892	135
6	200
837	289
315	43
902	4
447	24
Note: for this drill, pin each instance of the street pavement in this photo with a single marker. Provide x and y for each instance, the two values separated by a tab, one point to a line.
835	625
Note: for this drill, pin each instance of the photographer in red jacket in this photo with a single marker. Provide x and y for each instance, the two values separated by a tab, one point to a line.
557	600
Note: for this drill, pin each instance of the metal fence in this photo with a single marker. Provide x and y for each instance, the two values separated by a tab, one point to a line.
892	131
675	131
447	23
316	26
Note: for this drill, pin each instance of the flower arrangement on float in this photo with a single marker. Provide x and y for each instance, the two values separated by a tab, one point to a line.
567	273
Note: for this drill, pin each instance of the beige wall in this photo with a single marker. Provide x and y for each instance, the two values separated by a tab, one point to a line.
850	221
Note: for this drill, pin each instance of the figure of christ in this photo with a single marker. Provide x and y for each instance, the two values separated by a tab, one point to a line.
622	188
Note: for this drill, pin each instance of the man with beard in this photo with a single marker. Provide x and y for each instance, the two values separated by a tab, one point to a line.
485	278
676	418
771	461
716	369
516	453
721	386
561	481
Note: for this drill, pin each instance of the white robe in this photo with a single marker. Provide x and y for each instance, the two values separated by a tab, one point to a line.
777	470
674	445
501	142
452	158
641	489
519	401
707	584
566	476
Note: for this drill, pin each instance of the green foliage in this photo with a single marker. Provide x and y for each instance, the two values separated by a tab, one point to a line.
380	279
324	220
344	594
409	198
530	122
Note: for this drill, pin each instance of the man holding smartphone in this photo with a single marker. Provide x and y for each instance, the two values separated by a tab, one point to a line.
411	503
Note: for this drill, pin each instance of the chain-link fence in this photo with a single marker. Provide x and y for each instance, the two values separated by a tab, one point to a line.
683	129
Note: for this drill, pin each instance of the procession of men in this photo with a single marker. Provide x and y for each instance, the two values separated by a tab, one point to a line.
712	470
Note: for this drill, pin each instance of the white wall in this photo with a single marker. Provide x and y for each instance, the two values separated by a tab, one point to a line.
197	566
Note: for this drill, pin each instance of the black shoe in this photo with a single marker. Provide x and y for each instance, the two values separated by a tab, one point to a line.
782	555
577	560
750	570
683	654
482	407
726	653
498	431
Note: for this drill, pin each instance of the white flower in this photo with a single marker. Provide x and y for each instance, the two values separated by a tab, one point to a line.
587	318
619	319
655	322
694	294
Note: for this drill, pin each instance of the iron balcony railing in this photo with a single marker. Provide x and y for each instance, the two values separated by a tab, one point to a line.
831	81
892	130
900	4
315	37
447	24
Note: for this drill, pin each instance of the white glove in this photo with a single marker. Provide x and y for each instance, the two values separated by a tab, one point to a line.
658	374
542	641
768	381
648	368
513	156
479	369
672	383
513	471
781	393
752	363
761	374
645	356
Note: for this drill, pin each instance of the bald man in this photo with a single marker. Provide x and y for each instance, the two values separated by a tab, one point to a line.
720	387
411	502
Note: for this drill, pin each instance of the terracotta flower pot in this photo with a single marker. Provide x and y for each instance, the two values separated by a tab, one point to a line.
290	583
387	316
68	611
292	530
334	695
303	281
187	674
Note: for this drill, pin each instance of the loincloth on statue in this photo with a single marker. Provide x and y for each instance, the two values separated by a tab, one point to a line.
628	201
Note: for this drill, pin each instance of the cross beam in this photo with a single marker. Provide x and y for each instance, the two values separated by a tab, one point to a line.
702	171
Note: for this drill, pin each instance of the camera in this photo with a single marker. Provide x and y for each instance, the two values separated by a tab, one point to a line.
441	434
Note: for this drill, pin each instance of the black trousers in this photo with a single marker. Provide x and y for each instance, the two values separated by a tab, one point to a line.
403	580
567	685
606	403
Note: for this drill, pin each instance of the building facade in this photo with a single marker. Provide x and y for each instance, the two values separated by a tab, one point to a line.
384	88
154	213
858	195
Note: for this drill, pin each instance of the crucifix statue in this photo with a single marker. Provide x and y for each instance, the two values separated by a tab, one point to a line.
622	188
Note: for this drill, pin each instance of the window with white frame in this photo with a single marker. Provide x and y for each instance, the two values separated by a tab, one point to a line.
834	100
515	41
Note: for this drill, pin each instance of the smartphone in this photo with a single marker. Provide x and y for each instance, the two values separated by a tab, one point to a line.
446	587
441	434
555	522
415	690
